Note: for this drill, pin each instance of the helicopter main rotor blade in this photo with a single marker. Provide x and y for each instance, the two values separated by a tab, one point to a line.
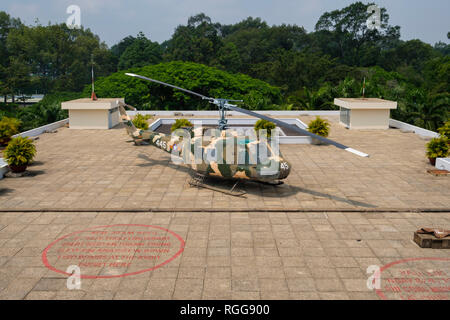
169	85
297	129
257	115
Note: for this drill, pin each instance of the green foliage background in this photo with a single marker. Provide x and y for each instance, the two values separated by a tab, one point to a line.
46	111
200	78
281	67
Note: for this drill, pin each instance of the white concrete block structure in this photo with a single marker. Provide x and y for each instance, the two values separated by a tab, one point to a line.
3	168
443	164
365	113
93	114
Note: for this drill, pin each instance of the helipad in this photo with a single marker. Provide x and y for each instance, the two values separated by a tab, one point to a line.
103	169
312	238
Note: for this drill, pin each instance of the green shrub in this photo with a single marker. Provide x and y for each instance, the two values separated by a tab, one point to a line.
197	77
20	151
445	130
437	148
8	128
140	121
46	111
179	123
264	124
319	126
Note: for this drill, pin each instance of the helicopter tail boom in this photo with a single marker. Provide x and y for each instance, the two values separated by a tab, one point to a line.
157	139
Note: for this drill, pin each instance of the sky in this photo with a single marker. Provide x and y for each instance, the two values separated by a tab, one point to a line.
113	20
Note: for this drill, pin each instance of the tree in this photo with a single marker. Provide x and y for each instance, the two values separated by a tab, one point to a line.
198	41
17	78
312	100
6	25
344	34
140	53
229	58
200	78
258	43
294	70
59	58
443	48
437	75
249	23
412	53
119	48
428	111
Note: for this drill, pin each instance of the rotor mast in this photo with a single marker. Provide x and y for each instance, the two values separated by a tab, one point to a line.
222	105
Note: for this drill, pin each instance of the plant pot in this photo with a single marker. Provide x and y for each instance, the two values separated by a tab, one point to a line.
432	161
18	169
4	141
317	142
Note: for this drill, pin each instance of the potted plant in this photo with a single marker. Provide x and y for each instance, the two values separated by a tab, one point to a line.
262	124
444	131
19	153
8	128
319	126
437	148
140	121
180	123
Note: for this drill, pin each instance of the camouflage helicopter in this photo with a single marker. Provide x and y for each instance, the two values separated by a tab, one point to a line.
221	152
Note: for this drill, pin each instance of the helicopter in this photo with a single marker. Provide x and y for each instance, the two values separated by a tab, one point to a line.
222	153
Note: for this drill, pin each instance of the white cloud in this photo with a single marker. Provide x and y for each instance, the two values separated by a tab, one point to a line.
24	10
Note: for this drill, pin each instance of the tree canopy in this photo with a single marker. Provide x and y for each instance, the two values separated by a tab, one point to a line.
205	80
279	66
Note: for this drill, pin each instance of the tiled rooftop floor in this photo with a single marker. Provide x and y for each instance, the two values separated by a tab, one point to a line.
238	255
230	255
102	169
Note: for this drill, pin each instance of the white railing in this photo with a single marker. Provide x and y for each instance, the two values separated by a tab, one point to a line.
48	127
392	123
409	127
189	113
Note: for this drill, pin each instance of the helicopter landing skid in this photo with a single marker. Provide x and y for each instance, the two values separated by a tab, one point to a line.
198	180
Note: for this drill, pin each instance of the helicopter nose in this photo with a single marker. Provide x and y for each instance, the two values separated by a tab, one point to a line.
285	169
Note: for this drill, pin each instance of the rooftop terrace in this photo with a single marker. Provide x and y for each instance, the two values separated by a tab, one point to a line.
304	248
103	169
